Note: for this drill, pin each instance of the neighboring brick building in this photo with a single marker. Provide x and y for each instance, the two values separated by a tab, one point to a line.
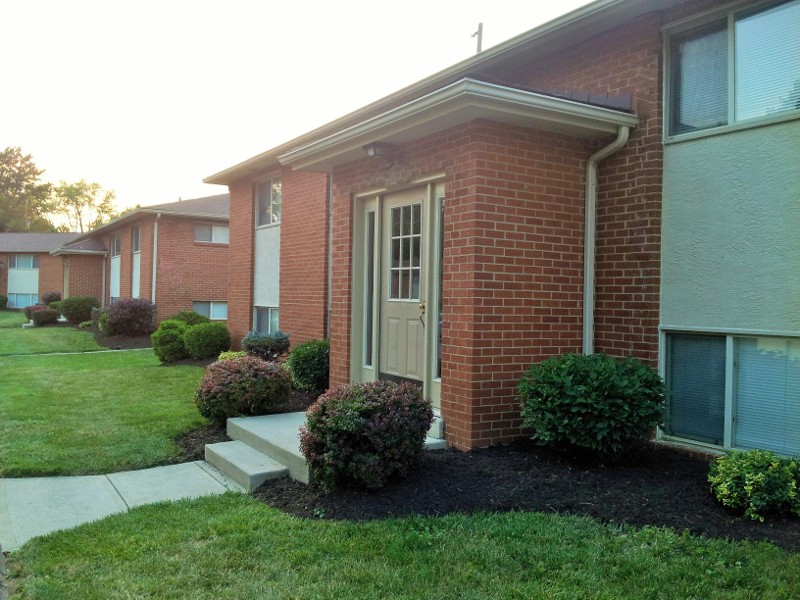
175	255
538	199
27	270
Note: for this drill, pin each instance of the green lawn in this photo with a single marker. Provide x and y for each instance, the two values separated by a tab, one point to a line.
39	340
235	547
92	413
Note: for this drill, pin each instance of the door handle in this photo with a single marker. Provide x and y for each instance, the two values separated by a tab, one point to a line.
422	314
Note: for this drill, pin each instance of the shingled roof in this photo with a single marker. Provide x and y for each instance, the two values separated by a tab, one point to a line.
34	242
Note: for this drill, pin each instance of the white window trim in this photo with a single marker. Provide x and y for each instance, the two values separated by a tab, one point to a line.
729	12
257	184
214	228
730	375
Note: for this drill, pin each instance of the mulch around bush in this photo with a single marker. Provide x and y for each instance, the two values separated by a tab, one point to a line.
653	485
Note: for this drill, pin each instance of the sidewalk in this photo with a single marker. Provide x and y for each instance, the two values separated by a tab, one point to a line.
40	505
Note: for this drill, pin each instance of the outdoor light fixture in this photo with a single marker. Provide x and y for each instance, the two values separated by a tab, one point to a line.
379	150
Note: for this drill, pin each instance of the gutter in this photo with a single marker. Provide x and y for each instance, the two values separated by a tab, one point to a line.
590	234
155	258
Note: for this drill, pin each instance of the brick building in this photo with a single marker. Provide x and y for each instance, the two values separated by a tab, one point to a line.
620	180
27	269
175	255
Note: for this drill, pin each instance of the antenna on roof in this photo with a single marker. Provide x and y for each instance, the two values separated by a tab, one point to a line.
479	35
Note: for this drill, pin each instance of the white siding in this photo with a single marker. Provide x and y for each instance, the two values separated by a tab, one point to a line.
266	266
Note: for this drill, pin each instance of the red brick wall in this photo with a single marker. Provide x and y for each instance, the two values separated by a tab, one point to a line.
512	263
85	275
624	61
304	255
240	263
51	273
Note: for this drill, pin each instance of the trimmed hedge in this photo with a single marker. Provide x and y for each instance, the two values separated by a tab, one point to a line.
129	316
190	317
309	365
756	482
28	310
241	386
268	347
43	315
48	297
77	309
364	434
168	341
594	402
206	340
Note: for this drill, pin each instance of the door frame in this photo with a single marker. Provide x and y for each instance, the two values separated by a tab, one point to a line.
367	282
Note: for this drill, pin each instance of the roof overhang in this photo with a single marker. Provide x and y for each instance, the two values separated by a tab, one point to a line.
66	251
456	104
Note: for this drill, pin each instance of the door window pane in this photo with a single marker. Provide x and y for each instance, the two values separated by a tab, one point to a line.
696	382
406	249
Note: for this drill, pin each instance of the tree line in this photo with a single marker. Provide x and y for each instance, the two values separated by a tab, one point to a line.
27	204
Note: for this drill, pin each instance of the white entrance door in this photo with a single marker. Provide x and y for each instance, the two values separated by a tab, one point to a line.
403	289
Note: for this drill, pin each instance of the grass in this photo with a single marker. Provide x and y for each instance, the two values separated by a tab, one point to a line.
236	547
38	340
92	413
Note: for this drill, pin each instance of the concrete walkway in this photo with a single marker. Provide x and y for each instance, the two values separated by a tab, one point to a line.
39	505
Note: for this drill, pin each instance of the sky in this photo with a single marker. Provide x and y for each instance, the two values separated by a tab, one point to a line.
147	98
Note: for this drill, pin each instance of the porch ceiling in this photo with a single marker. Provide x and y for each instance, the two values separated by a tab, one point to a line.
455	104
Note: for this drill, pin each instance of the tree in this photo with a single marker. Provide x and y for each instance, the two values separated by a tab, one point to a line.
84	205
24	199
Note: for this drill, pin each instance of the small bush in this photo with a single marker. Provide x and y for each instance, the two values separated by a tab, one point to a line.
206	340
268	347
28	310
103	326
366	433
43	315
56	306
231	354
593	402
190	317
130	316
309	365
85	324
48	297
78	308
241	386
168	341
3	302
756	482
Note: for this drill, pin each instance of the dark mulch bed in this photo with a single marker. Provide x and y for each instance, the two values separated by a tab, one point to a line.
120	342
650	485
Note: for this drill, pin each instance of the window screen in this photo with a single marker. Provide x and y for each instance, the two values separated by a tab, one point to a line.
696	382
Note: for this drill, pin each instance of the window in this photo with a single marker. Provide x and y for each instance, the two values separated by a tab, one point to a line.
734	391
23	261
22	300
116	245
741	67
216	311
136	239
406	241
217	234
268	200
266	320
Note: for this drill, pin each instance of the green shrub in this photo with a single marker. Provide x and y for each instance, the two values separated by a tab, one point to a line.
268	347
206	340
241	386
168	341
593	402
309	365
3	302
43	315
130	316
190	317
103	324
78	308
85	324
56	306
49	297
366	433
231	354
756	482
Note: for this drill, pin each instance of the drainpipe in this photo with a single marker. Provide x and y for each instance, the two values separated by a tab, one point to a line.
330	254
105	266
590	234
155	258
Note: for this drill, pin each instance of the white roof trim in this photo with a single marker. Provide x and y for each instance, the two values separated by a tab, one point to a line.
458	103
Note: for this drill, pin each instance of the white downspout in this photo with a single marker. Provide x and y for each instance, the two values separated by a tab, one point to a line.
155	258
590	234
105	266
330	254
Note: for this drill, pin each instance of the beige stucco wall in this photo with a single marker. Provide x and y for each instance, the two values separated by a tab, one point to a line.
731	231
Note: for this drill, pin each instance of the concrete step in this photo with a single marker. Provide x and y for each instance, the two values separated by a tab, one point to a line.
277	436
243	464
437	426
